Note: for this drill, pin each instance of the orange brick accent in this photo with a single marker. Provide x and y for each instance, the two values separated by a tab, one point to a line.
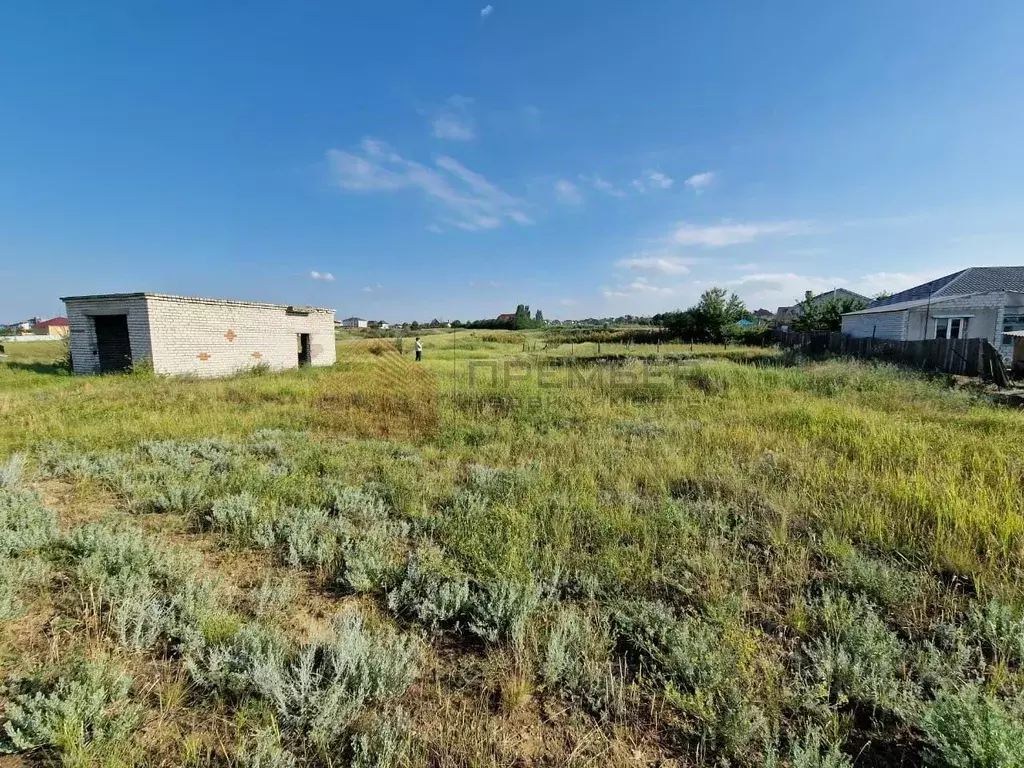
230	335
203	356
257	355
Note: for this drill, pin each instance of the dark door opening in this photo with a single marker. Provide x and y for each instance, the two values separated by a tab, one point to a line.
305	357
113	345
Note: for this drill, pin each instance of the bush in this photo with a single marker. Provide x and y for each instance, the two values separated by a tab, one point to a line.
500	611
246	521
16	577
432	591
384	745
372	560
811	752
312	538
702	672
11	472
318	690
150	595
968	728
263	749
856	658
81	713
578	660
25	525
1000	628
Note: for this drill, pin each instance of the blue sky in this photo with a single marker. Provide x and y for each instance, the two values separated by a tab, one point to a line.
409	160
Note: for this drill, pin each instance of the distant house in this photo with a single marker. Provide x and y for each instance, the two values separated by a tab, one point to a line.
380	325
55	326
506	317
974	303
764	314
785	315
355	322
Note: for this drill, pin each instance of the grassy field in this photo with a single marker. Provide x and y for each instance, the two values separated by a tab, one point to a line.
512	554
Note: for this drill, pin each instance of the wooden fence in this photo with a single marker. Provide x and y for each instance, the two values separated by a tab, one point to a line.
965	357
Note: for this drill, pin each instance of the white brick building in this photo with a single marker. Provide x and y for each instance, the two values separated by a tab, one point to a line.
976	303
180	335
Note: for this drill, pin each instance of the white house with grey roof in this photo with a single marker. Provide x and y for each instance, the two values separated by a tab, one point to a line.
183	335
974	303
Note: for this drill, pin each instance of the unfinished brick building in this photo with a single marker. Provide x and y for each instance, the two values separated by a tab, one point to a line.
180	335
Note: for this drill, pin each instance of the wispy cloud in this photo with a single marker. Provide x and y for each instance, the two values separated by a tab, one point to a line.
322	276
469	200
666	264
728	233
437	229
453	121
639	286
786	288
700	181
652	180
659	180
597	182
371	288
568	193
486	11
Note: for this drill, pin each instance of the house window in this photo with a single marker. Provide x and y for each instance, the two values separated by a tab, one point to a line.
950	327
1013	322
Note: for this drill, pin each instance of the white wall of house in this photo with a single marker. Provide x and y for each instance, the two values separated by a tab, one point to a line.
202	337
879	325
984	313
209	338
80	312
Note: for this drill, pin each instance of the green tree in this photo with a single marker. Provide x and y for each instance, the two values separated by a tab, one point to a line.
716	313
538	317
824	315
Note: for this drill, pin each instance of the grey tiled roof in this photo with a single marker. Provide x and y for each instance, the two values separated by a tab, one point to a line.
971	280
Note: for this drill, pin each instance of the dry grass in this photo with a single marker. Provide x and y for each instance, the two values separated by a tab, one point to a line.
698	518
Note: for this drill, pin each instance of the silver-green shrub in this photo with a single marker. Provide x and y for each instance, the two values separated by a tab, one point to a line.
500	611
245	520
969	728
319	689
87	707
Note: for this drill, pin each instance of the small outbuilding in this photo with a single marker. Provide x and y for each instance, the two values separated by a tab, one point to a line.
182	335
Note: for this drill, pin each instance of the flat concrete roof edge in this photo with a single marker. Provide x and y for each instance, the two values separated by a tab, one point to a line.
199	299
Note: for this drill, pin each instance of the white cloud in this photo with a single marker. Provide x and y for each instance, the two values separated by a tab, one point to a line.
602	185
486	11
721	235
450	127
568	193
437	229
699	181
666	264
367	289
322	276
470	201
638	185
640	286
659	180
453	121
783	289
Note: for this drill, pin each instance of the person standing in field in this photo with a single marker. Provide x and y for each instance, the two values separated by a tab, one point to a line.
419	349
